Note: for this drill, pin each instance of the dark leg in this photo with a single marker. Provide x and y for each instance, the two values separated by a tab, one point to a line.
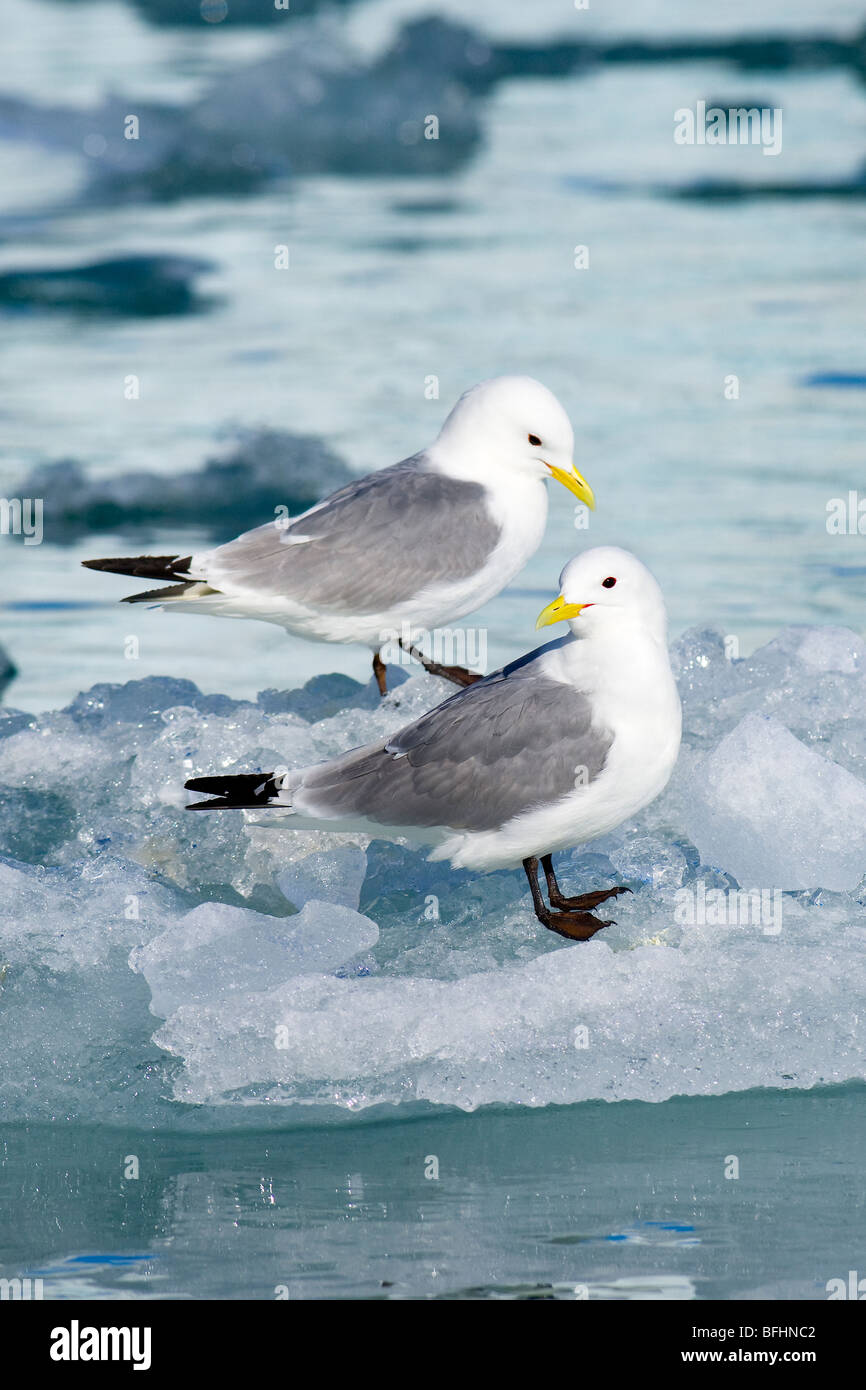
584	901
458	674
577	926
380	671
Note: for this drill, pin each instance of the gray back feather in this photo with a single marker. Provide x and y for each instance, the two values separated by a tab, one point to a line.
515	740
376	542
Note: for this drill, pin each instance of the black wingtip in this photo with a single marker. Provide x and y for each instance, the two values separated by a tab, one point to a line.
219	784
144	566
237	792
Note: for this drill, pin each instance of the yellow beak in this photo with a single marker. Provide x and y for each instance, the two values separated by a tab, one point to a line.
558	611
575	483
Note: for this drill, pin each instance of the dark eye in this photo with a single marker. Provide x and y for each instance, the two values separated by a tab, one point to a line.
533	439
608	583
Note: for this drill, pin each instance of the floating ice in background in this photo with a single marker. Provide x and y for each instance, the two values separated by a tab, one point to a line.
141	286
8	669
401	982
319	105
313	106
253	474
198	13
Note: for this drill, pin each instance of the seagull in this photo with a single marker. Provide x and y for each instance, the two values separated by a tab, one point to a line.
401	551
554	750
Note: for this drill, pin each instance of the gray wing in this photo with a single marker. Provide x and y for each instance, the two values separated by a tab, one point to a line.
375	542
515	740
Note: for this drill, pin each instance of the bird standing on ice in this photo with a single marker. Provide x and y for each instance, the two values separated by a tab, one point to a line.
553	750
405	550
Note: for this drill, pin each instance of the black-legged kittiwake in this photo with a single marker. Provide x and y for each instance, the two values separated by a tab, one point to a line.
553	750
405	550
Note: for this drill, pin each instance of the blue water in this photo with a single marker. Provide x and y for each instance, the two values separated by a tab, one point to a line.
723	489
595	1201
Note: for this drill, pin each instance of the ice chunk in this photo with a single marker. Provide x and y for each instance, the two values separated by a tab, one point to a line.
73	919
52	753
699	661
649	858
33	823
145	702
217	951
323	696
447	990
723	1011
833	649
335	876
775	813
12	721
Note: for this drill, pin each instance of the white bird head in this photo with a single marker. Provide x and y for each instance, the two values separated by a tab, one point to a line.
512	423
605	590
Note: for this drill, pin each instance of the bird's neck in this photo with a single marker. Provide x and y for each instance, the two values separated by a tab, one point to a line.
473	465
623	655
